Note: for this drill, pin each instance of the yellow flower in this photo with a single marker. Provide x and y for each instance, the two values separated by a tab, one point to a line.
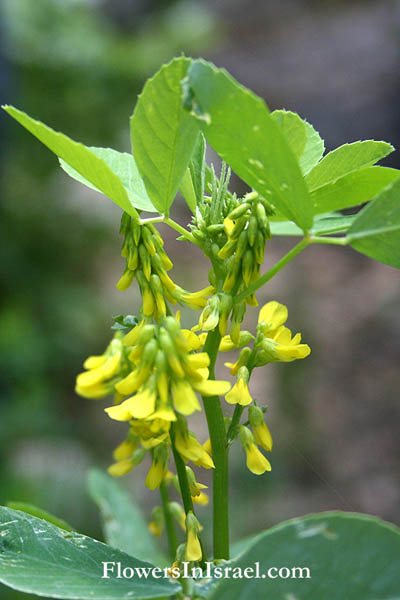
159	467
201	499
125	465
155	528
241	361
99	390
282	347
125	449
261	432
256	461
178	513
157	523
263	437
272	315
121	467
193	547
190	449
193	341
239	394
210	387
95	381
185	400
139	406
194	486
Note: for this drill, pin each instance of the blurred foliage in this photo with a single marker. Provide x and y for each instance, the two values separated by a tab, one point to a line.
79	65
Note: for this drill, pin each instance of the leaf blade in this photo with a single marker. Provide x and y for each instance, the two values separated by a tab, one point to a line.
347	554
78	156
305	141
346	159
37	557
123	523
239	127
125	168
353	189
163	134
376	231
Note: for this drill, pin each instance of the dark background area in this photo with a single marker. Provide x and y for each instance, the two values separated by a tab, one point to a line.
78	65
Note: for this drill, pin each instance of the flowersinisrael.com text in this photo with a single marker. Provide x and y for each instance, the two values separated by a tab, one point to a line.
223	571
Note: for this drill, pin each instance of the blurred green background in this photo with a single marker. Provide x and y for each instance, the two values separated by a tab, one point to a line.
78	65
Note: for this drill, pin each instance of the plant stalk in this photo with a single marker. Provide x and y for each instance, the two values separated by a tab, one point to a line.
216	427
169	521
253	287
184	485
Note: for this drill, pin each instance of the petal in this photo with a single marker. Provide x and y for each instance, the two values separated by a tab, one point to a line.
92	362
256	461
273	313
210	387
185	400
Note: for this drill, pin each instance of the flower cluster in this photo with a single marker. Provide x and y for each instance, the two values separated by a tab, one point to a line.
247	229
273	343
155	371
147	261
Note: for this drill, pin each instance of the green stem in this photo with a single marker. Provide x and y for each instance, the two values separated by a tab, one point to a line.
186	234
169	520
216	427
237	413
253	287
337	241
184	484
159	219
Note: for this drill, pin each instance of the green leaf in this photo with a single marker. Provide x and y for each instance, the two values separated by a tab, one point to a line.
239	127
376	230
193	183
304	140
352	189
349	556
39	558
346	159
124	167
293	128
123	523
35	511
323	226
163	134
187	190
79	157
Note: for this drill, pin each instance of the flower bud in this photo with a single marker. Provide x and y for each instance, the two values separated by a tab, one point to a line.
193	547
239	211
252	229
125	281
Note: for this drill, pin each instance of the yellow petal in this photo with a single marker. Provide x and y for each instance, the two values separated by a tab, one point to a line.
111	365
124	450
121	468
194	342
155	475
199	360
210	387
99	390
132	337
256	461
202	499
263	437
131	383
92	362
273	313
185	400
239	394
193	548
121	412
